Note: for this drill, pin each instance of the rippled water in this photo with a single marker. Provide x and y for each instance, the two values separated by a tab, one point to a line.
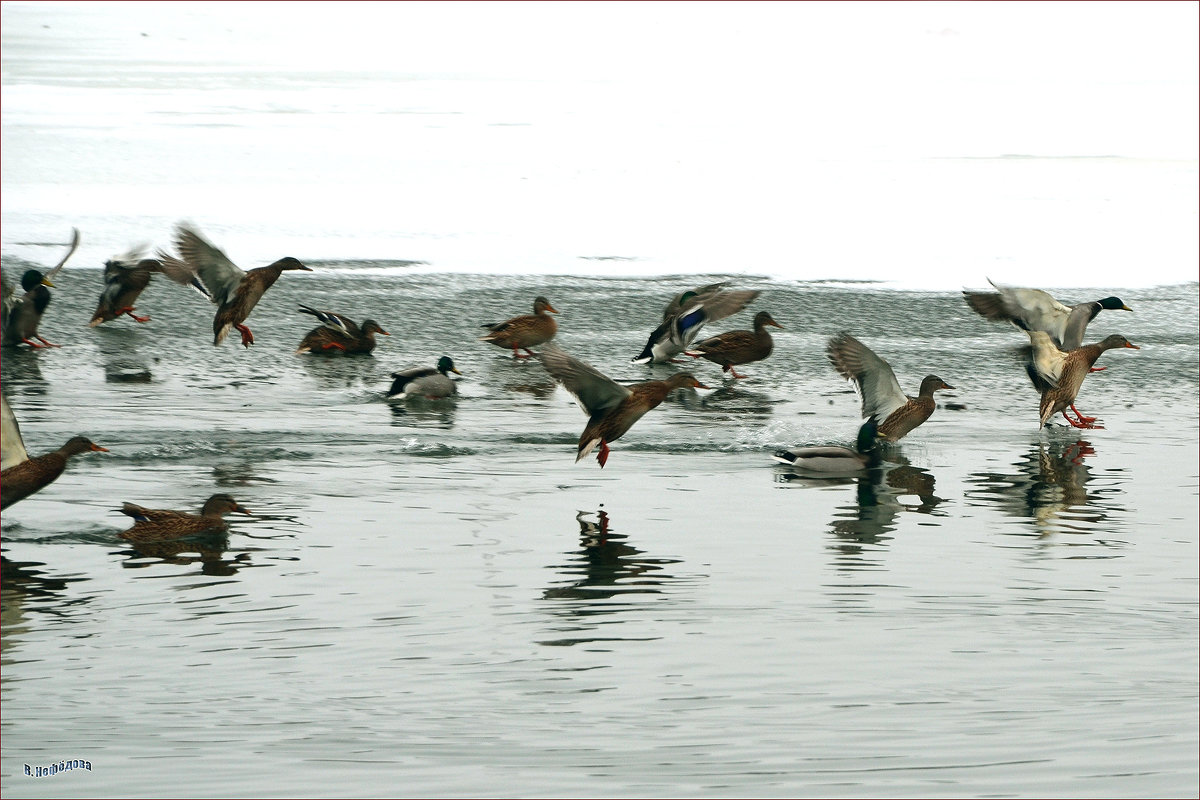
433	599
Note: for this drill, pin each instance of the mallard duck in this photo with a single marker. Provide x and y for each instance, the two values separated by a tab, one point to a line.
611	408
156	525
1061	374
686	314
22	314
522	333
738	347
428	382
836	460
20	475
882	398
339	333
235	291
1035	310
125	277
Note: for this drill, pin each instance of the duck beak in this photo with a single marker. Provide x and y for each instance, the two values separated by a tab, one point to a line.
1132	346
46	282
242	510
97	448
946	385
1125	308
385	333
455	370
551	309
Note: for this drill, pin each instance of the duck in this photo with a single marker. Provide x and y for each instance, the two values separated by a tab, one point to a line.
834	460
234	291
430	382
20	475
125	277
1036	310
686	314
21	315
896	413
339	334
158	525
1059	375
738	347
612	409
524	332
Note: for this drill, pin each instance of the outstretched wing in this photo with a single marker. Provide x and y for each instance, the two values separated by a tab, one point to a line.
594	390
219	275
1047	364
58	267
872	376
12	446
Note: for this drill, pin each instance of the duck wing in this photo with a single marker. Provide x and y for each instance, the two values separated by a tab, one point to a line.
12	446
690	297
70	251
1046	366
220	276
595	391
401	380
873	377
329	319
1028	309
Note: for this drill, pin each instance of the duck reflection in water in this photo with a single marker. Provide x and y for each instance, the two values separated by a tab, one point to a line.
603	567
208	552
1050	489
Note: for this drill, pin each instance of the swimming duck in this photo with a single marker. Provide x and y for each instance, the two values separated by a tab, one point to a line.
22	314
835	460
156	525
1062	374
1035	310
685	315
882	398
522	333
125	277
20	475
339	333
611	408
235	291
428	382
738	347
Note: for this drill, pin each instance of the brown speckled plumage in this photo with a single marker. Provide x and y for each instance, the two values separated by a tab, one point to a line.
524	332
22	480
158	525
738	347
1060	375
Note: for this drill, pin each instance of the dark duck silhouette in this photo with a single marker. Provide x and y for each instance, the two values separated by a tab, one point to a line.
125	277
883	400
738	347
21	314
612	409
686	314
338	333
20	475
1035	310
159	525
524	332
1059	376
234	291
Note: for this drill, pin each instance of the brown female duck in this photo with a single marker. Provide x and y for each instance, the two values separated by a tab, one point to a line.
20	315
20	475
236	292
522	333
611	408
125	277
157	525
339	334
1060	375
738	347
882	399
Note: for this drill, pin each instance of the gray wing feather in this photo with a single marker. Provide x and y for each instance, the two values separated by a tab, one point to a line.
872	376
12	446
594	390
219	275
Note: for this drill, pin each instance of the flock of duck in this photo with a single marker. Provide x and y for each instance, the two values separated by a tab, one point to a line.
1057	362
